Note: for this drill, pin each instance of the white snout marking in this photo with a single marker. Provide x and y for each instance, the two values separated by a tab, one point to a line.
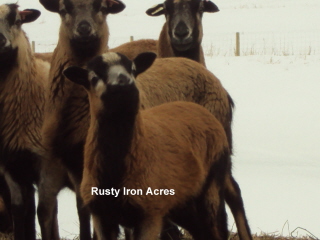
114	73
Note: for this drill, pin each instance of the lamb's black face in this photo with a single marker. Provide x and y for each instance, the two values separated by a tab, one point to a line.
110	71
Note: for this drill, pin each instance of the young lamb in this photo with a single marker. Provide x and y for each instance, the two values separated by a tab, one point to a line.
176	155
83	34
181	34
6	224
23	83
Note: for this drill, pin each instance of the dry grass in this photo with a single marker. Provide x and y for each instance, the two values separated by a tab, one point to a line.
233	236
6	236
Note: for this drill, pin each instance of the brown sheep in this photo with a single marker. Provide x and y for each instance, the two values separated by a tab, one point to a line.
23	83
83	34
181	34
175	155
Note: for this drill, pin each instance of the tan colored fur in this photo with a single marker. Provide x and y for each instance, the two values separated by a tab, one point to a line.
23	93
181	79
44	56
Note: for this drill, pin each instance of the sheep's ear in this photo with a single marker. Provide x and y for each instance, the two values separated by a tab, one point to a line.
115	6
50	5
143	61
209	6
78	75
29	15
156	10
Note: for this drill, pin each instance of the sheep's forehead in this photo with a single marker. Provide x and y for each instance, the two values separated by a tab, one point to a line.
111	58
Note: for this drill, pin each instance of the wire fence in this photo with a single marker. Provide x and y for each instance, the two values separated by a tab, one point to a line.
239	44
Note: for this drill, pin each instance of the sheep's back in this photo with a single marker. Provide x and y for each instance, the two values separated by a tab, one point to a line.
134	48
181	79
180	143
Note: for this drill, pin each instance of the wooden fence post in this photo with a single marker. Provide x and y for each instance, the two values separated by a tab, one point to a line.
237	44
33	45
131	38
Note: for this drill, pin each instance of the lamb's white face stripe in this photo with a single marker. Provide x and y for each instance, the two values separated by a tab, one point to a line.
100	87
114	73
111	58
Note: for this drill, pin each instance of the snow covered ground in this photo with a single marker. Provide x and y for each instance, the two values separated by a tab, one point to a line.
277	117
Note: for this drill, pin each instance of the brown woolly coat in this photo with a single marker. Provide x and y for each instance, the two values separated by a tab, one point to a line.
62	93
22	96
44	56
181	79
173	147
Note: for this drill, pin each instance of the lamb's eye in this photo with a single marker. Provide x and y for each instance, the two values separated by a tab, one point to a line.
94	81
18	22
63	12
104	10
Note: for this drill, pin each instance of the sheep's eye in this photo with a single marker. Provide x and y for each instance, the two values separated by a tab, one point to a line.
94	81
104	10
63	12
18	22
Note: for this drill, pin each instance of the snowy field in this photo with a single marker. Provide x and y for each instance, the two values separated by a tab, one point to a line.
277	117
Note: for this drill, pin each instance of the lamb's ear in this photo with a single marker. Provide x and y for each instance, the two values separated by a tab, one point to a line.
209	6
143	61
50	5
29	15
115	6
156	10
78	75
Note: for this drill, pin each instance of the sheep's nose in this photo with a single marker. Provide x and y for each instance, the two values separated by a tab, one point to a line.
84	29
181	31
123	79
3	41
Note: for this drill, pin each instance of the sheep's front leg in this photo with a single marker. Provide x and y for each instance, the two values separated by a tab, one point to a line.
52	179
104	228
149	229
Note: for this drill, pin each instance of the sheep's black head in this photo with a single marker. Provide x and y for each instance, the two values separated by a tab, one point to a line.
84	22
184	20
11	34
110	72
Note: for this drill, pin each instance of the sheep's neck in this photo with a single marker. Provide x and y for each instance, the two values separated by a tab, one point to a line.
65	56
21	100
116	131
193	53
